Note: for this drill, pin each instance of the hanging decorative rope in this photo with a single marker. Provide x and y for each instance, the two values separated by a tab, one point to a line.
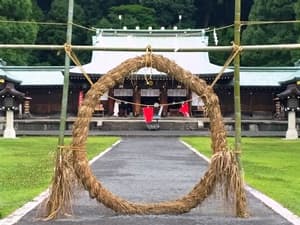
148	62
223	170
73	57
235	51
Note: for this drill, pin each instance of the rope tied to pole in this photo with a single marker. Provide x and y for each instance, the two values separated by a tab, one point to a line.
71	148
74	58
236	49
148	63
237	152
148	56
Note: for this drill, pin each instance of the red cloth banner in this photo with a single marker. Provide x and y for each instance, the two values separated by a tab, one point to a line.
184	109
80	98
148	114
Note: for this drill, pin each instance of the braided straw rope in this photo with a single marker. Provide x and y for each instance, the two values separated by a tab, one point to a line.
223	169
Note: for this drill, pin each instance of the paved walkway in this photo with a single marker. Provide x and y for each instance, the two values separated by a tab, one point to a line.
148	169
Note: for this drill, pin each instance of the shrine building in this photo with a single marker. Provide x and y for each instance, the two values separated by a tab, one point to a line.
148	86
43	84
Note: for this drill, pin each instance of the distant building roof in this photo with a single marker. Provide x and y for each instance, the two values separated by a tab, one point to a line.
195	62
295	77
48	75
267	76
6	76
35	75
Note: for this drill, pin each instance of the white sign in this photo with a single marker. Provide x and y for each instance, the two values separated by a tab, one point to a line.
150	92
196	100
123	92
177	92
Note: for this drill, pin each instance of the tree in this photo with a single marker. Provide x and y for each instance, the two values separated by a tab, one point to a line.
37	12
56	34
167	12
225	37
132	16
96	10
208	15
17	33
105	14
269	10
295	54
44	4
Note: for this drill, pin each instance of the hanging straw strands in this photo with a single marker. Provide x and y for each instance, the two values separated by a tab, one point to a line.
59	202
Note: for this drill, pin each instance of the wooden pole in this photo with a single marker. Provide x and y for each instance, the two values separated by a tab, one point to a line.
237	94
280	47
64	102
240	195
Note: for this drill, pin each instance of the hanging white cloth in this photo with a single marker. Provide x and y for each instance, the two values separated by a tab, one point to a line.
116	109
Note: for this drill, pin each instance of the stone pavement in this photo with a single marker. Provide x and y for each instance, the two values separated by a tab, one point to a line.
152	169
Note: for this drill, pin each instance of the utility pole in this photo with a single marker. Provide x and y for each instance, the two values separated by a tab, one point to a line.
237	94
64	102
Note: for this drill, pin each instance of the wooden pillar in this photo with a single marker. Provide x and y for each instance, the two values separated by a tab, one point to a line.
111	102
27	106
164	100
137	101
189	96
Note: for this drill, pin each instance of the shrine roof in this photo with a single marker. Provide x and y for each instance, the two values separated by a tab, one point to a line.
249	76
35	75
195	62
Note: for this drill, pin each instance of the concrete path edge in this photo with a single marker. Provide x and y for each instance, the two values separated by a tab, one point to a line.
275	206
19	213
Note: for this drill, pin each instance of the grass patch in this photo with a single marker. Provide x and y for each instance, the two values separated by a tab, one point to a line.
271	166
26	166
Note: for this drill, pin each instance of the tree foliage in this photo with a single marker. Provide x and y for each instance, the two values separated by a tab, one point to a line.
56	33
167	12
16	33
132	16
296	54
269	10
145	13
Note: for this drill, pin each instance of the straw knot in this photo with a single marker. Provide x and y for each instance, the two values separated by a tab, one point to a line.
148	56
68	48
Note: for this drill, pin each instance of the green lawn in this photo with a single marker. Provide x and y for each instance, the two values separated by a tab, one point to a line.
271	165
26	167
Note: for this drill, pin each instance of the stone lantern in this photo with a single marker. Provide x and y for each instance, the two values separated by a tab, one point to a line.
291	99
9	100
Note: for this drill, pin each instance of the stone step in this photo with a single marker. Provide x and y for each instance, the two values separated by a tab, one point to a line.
141	125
